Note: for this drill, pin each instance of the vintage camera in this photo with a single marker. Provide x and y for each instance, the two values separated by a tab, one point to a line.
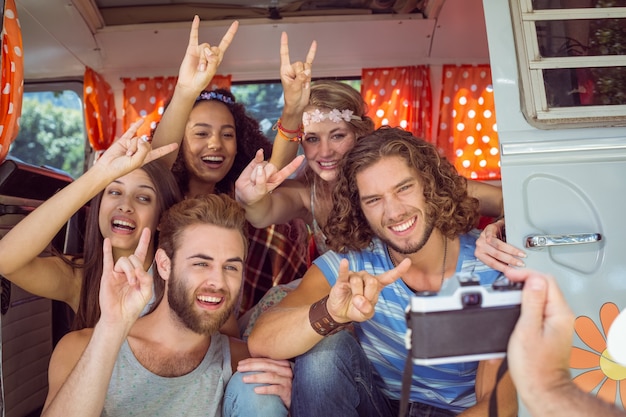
465	321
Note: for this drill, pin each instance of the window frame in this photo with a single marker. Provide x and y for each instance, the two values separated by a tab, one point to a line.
71	84
531	65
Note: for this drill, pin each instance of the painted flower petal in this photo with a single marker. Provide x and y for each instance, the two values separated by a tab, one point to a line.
588	381
608	390
608	313
589	333
583	359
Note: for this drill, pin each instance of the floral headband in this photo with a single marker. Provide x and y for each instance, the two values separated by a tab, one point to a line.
212	95
334	115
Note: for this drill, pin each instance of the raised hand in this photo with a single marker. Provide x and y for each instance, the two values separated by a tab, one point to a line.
201	61
494	252
355	294
277	374
125	288
296	77
260	178
130	152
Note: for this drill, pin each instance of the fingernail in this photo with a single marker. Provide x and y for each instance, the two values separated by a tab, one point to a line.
520	264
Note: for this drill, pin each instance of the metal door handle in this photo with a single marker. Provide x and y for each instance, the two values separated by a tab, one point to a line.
542	241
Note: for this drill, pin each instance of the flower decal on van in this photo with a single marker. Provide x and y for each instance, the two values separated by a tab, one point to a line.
600	370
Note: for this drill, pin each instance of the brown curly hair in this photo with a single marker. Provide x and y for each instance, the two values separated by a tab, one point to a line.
445	191
250	139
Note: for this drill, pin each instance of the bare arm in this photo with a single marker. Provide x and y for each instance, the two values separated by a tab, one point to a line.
285	331
296	81
196	72
539	351
19	249
79	376
489	197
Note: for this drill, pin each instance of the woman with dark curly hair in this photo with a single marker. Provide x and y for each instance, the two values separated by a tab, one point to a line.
202	168
217	140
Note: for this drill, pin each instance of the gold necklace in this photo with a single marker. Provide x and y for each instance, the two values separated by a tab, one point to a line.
443	266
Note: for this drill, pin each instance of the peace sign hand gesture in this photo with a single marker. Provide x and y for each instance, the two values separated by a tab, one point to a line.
355	294
296	77
201	61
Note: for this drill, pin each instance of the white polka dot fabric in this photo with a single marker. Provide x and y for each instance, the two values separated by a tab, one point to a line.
467	124
12	81
100	117
399	97
146	98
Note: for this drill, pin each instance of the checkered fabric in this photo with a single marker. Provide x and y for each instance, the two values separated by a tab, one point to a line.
277	255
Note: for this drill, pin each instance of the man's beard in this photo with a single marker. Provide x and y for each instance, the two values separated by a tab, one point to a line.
207	322
412	248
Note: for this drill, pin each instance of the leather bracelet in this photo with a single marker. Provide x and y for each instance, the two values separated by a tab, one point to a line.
321	321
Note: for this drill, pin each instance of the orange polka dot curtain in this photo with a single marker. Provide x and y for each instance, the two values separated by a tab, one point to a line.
146	98
467	132
399	97
100	116
12	81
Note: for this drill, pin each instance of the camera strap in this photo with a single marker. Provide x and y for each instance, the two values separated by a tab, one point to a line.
407	377
493	401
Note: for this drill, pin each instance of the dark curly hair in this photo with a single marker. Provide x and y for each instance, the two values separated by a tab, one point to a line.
250	139
445	191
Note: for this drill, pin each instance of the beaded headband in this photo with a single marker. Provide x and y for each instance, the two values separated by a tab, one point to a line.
212	95
334	115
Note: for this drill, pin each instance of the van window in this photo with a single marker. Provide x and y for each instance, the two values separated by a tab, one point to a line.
52	129
572	55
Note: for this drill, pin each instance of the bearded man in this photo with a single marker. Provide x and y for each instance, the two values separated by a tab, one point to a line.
172	361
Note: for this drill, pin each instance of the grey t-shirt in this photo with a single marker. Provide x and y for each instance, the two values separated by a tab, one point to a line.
135	391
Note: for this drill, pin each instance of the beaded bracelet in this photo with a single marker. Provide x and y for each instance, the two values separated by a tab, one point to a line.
280	127
282	132
287	138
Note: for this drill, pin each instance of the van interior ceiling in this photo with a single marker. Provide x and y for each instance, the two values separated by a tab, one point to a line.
144	38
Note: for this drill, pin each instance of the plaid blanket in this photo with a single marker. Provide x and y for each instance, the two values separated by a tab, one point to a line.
277	255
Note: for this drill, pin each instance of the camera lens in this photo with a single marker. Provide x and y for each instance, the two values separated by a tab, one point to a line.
471	299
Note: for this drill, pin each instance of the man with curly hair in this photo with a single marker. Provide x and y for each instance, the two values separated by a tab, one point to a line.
401	223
